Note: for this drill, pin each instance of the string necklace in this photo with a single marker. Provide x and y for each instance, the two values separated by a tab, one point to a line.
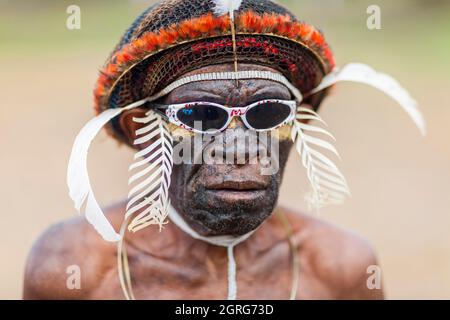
225	241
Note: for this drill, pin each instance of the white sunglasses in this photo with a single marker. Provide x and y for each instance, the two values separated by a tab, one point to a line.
262	115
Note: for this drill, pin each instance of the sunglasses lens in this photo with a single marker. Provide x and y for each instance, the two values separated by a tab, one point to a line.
268	115
209	117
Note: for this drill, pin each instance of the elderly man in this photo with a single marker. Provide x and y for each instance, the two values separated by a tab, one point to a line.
231	66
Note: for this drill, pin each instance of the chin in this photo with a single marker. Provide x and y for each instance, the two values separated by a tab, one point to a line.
222	212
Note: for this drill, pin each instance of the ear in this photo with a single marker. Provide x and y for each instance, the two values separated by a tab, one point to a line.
316	99
129	126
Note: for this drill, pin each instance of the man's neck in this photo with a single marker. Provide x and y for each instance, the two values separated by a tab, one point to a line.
222	241
167	243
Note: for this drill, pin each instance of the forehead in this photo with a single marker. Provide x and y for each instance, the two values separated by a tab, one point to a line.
230	92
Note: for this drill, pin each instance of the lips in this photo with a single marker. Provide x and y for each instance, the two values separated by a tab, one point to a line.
236	188
238	185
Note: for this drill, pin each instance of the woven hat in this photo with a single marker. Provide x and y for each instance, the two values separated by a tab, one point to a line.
174	37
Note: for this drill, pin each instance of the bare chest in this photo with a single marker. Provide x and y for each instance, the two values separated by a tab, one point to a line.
267	276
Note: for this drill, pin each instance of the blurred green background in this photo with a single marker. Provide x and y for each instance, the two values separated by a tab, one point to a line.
411	29
400	181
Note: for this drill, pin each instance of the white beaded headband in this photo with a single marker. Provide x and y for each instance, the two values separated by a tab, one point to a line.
239	75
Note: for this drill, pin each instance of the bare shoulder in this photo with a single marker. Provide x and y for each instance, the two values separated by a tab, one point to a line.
337	257
67	249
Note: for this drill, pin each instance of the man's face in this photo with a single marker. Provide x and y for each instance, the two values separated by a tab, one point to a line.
227	199
232	198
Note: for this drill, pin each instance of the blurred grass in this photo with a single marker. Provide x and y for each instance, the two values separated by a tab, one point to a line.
39	27
414	33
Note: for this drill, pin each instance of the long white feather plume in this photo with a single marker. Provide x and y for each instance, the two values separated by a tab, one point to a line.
149	198
328	184
223	7
362	73
80	189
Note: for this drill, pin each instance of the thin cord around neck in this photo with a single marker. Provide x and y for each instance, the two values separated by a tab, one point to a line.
224	241
124	269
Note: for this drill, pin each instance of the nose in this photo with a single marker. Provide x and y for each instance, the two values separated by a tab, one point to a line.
237	145
236	123
241	147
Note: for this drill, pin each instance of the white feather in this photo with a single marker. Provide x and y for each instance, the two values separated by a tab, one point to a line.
80	190
223	7
151	194
328	184
362	73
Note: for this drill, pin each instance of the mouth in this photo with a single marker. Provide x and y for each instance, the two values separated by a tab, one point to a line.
236	185
236	190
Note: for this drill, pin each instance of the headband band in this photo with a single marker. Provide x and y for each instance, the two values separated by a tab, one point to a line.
239	75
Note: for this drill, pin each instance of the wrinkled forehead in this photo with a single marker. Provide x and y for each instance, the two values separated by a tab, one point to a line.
229	92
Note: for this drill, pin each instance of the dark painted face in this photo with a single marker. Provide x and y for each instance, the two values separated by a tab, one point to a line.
227	199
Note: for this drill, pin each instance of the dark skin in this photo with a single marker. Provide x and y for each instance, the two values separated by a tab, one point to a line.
214	200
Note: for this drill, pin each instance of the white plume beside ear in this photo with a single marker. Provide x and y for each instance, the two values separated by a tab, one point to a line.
223	7
80	189
362	73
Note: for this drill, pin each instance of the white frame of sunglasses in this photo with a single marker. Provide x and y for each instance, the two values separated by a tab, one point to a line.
171	111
